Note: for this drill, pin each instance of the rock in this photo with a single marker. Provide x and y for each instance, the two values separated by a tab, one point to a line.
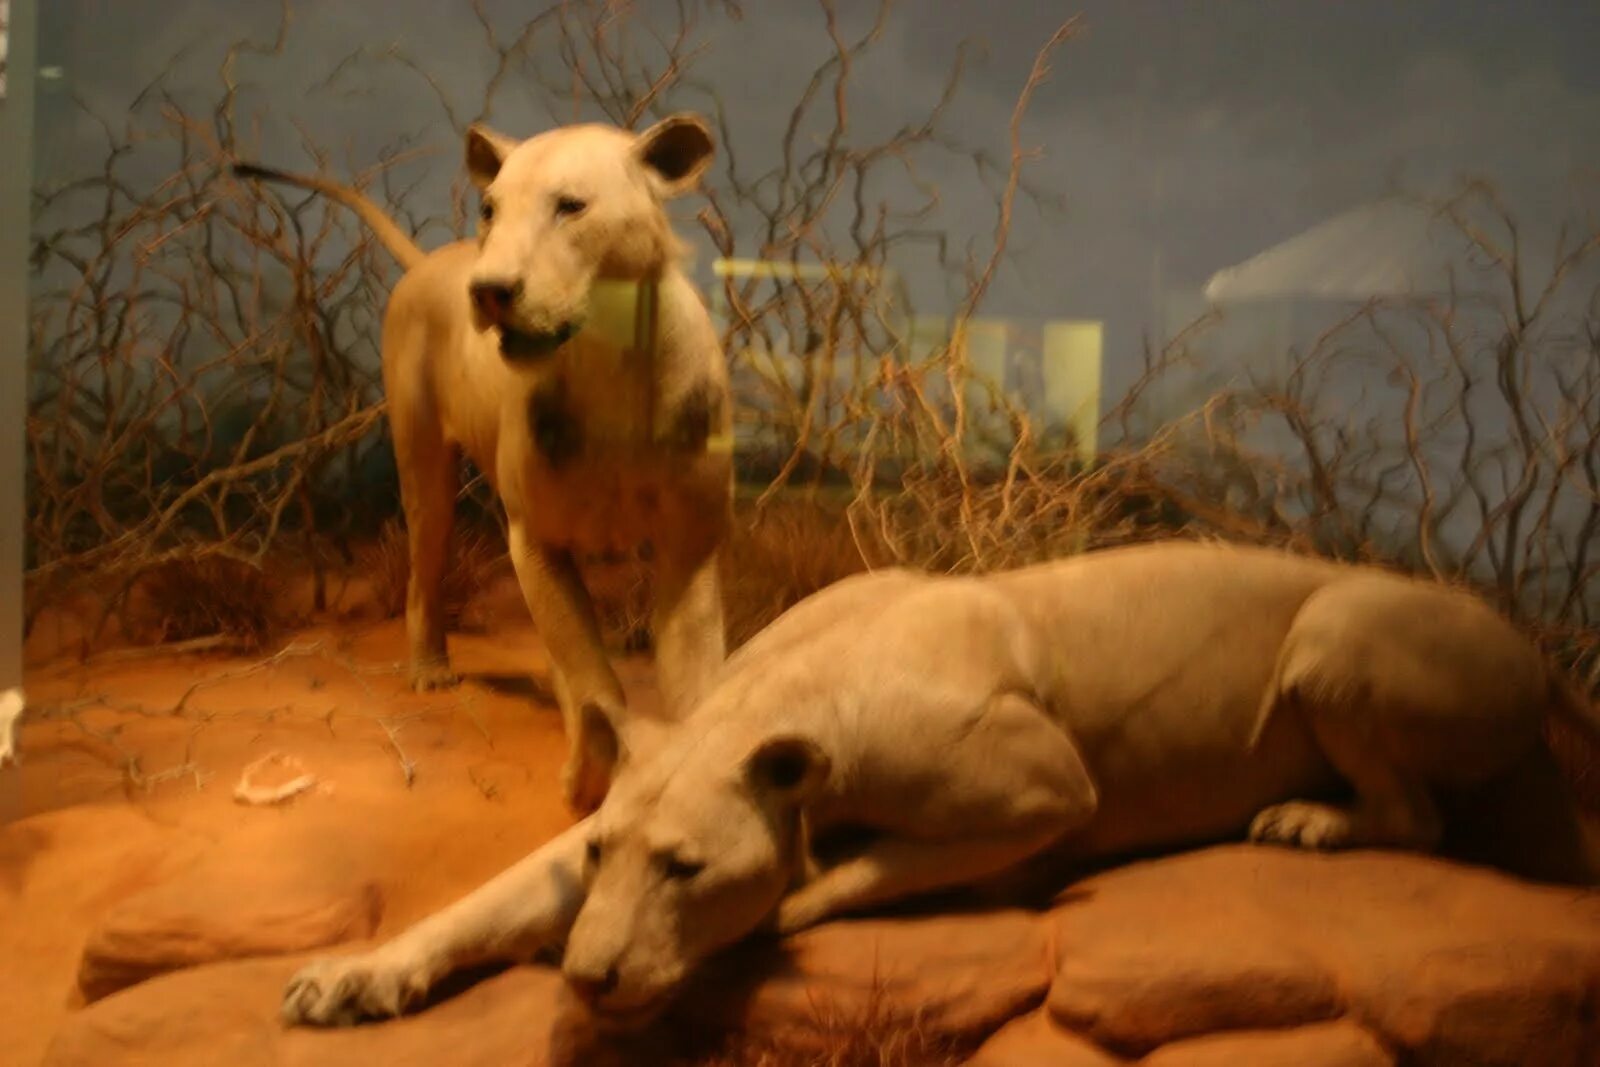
1446	964
1035	1040
201	920
227	1013
1155	988
925	982
951	978
1335	1044
1234	955
205	1015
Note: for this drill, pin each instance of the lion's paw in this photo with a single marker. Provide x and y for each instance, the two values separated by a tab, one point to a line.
1302	824
428	677
343	990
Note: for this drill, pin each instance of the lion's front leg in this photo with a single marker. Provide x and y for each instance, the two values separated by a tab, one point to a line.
689	634
527	908
1013	786
896	868
587	686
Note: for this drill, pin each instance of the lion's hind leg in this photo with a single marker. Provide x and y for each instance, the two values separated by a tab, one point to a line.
429	481
1407	689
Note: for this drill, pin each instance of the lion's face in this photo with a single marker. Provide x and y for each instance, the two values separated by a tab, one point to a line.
567	208
691	850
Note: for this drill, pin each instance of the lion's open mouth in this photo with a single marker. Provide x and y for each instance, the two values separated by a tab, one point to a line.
518	344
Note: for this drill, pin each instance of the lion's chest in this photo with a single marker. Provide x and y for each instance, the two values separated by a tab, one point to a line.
595	506
608	473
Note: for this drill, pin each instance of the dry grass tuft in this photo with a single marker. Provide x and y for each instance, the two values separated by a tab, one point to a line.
213	596
477	557
875	1032
779	557
770	562
886	1044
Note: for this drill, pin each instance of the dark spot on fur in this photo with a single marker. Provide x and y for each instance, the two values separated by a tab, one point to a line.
557	434
695	418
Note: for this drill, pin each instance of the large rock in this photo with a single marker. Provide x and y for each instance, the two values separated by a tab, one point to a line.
200	919
227	1014
1335	1044
1234	955
927	983
1453	965
950	978
1035	1040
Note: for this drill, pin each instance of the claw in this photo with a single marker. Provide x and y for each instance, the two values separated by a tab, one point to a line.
428	677
341	991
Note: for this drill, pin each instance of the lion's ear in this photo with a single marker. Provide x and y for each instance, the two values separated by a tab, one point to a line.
788	769
486	152
675	152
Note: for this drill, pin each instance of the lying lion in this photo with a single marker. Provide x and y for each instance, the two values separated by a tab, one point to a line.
1124	701
569	356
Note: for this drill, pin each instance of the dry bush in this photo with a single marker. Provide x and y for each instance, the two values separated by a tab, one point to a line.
780	555
477	558
187	600
771	561
185	401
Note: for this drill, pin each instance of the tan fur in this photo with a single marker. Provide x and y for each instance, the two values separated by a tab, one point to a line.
592	442
1124	701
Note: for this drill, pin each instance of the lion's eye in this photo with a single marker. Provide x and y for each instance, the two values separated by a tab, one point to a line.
486	211
567	206
593	853
682	870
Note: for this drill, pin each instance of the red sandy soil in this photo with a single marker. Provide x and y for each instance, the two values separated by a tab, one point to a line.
79	832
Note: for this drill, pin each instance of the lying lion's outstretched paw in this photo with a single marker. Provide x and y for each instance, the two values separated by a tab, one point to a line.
427	677
1303	824
343	990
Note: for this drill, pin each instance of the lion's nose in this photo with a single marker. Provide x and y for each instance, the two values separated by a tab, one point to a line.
591	987
494	299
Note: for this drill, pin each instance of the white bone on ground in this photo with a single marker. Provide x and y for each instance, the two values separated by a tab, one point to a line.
248	792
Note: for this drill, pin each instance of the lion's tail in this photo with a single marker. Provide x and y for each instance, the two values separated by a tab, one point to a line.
385	229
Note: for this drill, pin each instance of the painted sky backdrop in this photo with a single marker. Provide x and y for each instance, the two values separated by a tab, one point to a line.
1184	136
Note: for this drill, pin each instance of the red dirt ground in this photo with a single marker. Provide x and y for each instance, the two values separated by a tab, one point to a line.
80	830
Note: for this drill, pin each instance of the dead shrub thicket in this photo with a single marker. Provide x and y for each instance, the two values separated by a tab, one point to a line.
204	372
214	596
477	557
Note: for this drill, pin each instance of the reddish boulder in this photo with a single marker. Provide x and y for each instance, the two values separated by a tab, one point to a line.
198	920
1450	964
1336	1044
